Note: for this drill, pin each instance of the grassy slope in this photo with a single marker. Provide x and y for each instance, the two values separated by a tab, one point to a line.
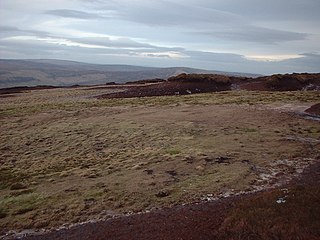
78	158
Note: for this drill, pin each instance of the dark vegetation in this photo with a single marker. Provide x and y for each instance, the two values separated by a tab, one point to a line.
184	84
180	85
13	90
156	80
314	110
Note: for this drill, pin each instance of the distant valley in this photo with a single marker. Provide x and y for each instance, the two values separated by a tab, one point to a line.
67	73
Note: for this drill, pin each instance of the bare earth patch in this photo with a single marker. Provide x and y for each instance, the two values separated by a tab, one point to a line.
66	157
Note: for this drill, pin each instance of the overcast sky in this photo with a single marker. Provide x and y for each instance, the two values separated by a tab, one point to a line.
257	36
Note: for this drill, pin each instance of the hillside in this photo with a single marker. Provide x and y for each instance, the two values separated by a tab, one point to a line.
66	73
185	84
82	168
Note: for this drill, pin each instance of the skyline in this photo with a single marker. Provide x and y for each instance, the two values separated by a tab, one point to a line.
243	36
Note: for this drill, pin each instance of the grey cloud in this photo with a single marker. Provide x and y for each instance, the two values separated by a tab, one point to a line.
305	63
7	31
169	13
118	48
215	57
107	42
272	10
258	35
212	18
125	43
175	11
309	61
225	62
68	13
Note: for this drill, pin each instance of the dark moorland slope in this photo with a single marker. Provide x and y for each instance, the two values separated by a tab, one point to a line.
184	84
15	73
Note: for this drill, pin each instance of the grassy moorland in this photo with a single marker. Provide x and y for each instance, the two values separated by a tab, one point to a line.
67	157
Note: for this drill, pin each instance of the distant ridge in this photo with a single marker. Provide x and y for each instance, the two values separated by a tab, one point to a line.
34	72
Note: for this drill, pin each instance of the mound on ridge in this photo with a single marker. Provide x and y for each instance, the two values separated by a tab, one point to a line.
182	84
284	82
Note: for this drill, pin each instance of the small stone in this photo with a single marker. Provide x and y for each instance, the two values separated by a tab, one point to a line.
71	189
118	205
281	200
136	167
189	159
162	193
64	174
41	224
172	173
3	215
222	160
200	168
148	171
18	186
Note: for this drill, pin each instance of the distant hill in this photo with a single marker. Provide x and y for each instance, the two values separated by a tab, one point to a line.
66	73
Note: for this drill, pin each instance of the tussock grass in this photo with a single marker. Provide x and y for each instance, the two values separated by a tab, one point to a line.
233	97
79	156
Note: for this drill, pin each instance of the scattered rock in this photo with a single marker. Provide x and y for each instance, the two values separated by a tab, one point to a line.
173	173
245	161
21	192
281	200
222	160
189	159
18	186
118	205
200	168
93	175
3	214
64	174
89	200
162	193
208	159
71	189
41	224
111	198
100	185
148	171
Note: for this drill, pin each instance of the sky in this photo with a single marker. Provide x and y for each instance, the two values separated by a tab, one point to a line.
254	36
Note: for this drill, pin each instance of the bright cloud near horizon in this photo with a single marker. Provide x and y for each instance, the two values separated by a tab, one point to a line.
255	36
